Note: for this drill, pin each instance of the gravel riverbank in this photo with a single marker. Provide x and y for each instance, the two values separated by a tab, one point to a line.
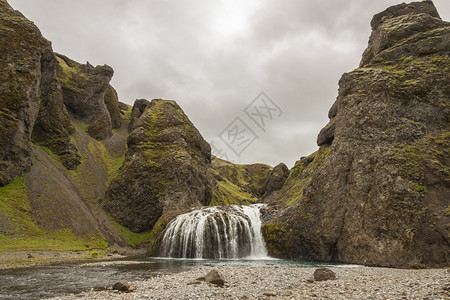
352	282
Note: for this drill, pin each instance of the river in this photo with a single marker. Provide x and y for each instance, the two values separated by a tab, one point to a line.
56	280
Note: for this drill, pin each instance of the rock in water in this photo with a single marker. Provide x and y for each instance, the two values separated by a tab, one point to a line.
215	277
166	167
377	191
324	274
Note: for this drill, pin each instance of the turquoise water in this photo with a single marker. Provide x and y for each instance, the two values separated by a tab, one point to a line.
57	280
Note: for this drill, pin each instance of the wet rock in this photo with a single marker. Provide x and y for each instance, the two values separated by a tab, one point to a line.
215	277
324	274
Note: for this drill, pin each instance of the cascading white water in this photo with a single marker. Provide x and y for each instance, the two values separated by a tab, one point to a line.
215	232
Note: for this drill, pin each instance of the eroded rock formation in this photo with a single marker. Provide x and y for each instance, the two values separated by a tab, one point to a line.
166	167
23	62
378	190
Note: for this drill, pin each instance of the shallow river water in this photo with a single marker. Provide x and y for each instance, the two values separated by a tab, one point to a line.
50	281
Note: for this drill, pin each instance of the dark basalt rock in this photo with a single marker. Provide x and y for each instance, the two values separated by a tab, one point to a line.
166	167
84	88
112	104
137	111
123	106
379	194
426	7
53	127
404	30
275	180
23	56
326	135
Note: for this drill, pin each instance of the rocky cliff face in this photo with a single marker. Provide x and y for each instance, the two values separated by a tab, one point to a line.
166	167
378	190
23	63
52	173
84	88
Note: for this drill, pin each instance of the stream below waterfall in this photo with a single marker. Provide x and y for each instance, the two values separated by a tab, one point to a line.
212	236
56	280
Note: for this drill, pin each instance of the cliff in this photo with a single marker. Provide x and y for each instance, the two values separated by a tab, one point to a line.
377	192
52	172
81	170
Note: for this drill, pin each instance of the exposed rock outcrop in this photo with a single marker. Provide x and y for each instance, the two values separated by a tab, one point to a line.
166	167
112	104
378	190
84	88
23	53
275	180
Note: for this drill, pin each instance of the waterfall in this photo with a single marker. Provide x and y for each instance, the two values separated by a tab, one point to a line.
215	232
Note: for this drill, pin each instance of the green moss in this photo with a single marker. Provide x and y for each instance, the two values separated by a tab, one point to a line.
126	117
229	193
69	77
301	175
250	178
134	240
109	163
447	211
413	159
62	240
27	235
277	241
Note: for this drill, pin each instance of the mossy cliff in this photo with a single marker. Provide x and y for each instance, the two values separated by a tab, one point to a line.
377	190
53	175
88	95
165	168
23	53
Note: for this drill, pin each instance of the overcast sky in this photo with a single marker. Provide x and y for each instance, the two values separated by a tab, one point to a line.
215	57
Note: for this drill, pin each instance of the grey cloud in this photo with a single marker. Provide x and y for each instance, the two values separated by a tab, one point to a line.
214	57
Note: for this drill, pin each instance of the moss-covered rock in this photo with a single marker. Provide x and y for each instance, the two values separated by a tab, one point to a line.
22	51
112	104
249	178
84	88
377	190
166	168
53	128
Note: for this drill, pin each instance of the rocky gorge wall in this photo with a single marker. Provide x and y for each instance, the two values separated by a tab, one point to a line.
79	169
377	192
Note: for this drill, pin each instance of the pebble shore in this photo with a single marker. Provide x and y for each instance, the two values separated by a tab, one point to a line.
352	282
